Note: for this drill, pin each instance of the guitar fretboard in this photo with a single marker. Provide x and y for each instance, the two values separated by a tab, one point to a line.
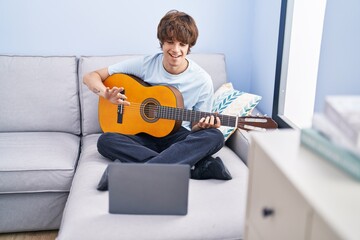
191	115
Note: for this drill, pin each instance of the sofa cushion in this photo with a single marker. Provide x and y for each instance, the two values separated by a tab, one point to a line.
22	212
39	94
216	208
37	161
229	101
214	64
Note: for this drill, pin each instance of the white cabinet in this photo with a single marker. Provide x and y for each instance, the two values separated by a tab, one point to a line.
294	194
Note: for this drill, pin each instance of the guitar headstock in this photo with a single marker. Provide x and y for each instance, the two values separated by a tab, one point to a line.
257	123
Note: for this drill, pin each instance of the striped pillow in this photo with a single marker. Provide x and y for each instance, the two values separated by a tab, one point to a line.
228	101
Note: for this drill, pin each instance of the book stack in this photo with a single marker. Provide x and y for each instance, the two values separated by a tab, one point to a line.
335	133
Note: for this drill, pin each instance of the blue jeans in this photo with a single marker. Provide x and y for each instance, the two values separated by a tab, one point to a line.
181	147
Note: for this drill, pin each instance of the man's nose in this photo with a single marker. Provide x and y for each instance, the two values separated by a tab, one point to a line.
176	47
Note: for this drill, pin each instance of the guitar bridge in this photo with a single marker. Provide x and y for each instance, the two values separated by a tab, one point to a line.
120	111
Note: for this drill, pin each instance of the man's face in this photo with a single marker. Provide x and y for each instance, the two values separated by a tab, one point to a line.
175	56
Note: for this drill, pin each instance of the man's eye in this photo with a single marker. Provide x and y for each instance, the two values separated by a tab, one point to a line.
183	44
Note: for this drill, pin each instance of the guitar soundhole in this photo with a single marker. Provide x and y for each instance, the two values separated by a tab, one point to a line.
149	110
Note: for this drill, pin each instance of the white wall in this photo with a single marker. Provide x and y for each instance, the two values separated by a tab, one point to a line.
109	27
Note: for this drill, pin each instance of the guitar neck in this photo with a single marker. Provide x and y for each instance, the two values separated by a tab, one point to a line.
247	123
192	115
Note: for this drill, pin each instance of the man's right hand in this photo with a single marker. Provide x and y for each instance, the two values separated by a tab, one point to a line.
94	81
115	96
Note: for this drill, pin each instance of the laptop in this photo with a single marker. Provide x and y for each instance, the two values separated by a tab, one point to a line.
160	189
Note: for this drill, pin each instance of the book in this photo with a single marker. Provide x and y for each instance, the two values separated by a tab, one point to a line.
323	125
344	112
334	153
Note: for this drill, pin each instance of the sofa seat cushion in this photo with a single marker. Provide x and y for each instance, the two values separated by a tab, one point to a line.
37	161
216	208
23	212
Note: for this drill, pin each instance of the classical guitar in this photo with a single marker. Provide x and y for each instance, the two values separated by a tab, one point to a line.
158	110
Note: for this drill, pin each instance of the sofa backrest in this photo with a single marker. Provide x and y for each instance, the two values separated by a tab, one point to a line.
39	94
214	64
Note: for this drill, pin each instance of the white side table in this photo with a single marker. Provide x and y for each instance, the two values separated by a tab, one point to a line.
295	194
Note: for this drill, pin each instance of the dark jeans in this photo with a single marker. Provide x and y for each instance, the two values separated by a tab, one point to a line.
181	147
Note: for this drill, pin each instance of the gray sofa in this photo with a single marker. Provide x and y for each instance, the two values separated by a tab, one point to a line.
50	167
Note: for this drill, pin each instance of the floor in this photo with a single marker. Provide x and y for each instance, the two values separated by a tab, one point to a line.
42	235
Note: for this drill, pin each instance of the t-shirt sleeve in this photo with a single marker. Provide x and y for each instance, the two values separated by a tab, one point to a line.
131	66
205	101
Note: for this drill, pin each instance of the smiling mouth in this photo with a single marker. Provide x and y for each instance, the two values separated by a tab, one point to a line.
174	56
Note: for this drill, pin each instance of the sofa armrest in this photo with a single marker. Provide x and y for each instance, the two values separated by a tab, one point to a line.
239	142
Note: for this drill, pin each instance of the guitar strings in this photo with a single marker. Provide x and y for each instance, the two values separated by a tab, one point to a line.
136	105
175	113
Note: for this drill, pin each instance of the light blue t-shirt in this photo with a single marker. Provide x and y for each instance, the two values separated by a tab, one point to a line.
194	83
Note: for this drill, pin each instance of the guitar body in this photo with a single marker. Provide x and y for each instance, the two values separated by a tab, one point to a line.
138	117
